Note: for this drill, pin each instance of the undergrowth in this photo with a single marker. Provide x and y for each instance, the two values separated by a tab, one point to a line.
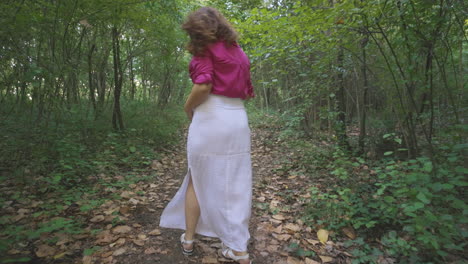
68	160
413	211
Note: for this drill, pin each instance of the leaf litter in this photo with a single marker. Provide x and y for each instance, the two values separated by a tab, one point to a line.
125	230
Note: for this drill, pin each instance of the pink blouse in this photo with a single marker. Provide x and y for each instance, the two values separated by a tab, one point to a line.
227	67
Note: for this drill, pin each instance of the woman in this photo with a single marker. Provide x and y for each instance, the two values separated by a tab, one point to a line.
215	197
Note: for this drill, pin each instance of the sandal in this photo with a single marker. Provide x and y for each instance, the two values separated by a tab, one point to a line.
187	252
229	254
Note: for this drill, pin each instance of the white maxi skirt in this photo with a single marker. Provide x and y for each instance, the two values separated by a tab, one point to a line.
218	154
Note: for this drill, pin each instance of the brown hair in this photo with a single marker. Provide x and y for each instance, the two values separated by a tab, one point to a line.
207	25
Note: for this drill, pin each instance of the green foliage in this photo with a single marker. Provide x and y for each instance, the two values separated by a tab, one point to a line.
72	159
415	207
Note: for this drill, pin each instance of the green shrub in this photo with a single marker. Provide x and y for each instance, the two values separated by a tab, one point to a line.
416	208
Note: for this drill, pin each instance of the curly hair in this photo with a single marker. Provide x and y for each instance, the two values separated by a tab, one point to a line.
205	26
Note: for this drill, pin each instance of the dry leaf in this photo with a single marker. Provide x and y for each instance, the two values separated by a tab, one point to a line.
97	219
119	251
45	250
293	227
322	235
87	260
105	237
106	254
150	251
124	210
279	217
292	260
209	259
60	255
121	229
272	248
134	201
349	232
311	261
312	241
119	242
278	229
326	259
126	194
155	232
282	237
139	242
109	259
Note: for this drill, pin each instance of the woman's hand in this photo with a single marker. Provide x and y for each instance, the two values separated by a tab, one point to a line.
189	113
198	95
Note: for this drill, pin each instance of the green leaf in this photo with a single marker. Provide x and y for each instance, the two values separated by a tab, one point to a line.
422	197
132	149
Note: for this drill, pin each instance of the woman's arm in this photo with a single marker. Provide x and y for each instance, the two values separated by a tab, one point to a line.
198	95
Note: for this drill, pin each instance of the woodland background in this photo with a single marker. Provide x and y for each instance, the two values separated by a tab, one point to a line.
373	94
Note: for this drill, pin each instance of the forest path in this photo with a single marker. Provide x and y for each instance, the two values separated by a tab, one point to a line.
278	196
125	228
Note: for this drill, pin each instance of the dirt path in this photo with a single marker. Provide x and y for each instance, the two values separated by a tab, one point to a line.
279	194
125	229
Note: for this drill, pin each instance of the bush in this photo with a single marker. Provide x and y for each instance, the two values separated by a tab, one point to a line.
416	208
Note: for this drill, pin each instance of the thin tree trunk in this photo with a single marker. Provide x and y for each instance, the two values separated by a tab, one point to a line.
362	123
117	121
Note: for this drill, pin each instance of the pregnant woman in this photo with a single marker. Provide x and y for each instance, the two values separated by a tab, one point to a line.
215	197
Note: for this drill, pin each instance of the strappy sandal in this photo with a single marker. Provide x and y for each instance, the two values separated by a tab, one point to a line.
187	252
229	254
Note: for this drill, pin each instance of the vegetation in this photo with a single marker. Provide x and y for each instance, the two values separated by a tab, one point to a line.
91	90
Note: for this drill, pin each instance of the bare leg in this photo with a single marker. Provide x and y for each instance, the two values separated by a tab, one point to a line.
192	213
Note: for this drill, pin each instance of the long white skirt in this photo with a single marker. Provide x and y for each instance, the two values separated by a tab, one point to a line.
218	152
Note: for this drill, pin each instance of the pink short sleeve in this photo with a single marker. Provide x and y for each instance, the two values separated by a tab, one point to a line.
201	70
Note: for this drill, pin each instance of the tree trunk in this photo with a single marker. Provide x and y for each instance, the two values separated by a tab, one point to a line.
340	126
362	123
117	121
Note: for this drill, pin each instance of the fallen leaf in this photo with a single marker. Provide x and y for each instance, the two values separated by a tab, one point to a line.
105	237
155	232
292	260
97	219
126	194
139	242
150	251
326	259
124	210
61	255
311	261
279	217
349	232
134	201
209	259
278	229
87	260
119	251
45	250
312	241
121	229
283	237
322	235
13	251
293	227
119	242
109	259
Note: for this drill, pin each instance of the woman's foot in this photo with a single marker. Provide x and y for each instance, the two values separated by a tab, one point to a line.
240	257
187	245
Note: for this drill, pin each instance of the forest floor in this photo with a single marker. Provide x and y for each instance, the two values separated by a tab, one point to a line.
278	236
